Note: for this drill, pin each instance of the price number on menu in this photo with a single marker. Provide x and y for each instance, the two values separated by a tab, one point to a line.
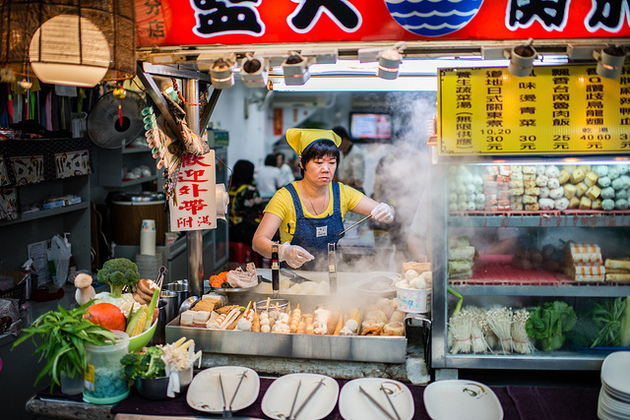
495	135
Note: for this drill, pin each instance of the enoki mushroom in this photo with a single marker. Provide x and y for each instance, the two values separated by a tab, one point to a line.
500	321
521	341
460	326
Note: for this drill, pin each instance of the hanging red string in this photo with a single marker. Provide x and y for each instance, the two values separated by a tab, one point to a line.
120	94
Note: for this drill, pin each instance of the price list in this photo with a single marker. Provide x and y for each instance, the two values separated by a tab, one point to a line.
556	110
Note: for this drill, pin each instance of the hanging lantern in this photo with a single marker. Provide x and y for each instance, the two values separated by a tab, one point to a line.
72	42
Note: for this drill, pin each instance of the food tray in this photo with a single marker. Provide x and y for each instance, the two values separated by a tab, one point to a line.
15	292
387	349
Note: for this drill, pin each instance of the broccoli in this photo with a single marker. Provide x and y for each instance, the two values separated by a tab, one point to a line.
144	365
118	273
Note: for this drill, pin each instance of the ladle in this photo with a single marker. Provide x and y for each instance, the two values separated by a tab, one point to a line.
188	303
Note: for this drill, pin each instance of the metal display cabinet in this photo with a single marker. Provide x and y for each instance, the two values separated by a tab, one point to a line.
609	229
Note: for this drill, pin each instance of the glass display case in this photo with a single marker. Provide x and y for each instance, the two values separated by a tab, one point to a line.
530	263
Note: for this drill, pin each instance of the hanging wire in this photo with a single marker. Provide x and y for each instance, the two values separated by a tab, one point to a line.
179	95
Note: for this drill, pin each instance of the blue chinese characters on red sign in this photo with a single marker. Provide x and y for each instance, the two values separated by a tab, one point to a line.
433	18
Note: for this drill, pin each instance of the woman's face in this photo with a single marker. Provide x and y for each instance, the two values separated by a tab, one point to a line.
320	171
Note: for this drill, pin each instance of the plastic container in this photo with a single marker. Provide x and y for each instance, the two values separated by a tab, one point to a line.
415	301
104	379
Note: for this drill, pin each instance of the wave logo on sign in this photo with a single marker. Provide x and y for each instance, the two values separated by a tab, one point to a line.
433	17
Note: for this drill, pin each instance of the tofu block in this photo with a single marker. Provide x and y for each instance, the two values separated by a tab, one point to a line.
201	317
585	203
593	192
532	191
517	206
596	204
574	202
529	177
590	178
569	190
578	176
517	191
187	318
516	183
528	169
581	188
530	199
564	176
529	184
532	207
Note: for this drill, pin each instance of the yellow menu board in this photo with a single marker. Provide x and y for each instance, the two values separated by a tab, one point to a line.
556	110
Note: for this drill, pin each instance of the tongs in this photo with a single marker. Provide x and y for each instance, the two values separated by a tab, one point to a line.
376	403
308	398
227	408
295	277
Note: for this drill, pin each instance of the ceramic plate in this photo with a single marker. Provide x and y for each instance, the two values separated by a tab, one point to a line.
615	370
204	392
278	399
458	399
354	405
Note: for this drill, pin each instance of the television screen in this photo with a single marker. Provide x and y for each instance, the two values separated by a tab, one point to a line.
371	126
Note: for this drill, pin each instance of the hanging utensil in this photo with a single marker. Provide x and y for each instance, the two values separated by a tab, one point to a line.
161	275
319	384
295	399
376	403
275	270
332	267
360	221
389	400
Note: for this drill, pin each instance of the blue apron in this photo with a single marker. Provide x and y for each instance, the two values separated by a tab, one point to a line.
314	234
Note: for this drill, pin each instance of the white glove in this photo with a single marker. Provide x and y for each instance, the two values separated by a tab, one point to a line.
383	213
294	255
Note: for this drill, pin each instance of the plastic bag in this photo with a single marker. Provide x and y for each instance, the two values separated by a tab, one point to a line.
60	251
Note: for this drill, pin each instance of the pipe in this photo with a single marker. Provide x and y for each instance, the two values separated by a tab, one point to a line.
194	238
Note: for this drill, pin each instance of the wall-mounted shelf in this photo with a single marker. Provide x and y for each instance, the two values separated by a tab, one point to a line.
42	214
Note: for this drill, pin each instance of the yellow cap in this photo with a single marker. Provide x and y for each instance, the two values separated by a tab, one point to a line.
299	138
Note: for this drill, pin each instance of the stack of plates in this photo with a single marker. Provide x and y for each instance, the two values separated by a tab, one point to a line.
614	396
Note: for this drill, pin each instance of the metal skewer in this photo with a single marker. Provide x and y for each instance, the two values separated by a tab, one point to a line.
360	221
308	399
295	399
389	400
373	401
236	390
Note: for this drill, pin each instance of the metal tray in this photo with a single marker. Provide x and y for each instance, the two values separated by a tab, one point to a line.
301	346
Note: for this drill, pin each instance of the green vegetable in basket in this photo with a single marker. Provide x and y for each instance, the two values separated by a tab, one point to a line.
549	322
147	364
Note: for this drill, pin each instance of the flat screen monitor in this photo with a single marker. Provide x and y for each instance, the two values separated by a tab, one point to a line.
370	126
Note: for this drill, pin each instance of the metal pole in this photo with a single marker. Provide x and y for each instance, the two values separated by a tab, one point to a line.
194	238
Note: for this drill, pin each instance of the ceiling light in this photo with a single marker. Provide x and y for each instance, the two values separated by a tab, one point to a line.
388	62
295	69
389	59
254	72
522	59
610	61
221	75
82	59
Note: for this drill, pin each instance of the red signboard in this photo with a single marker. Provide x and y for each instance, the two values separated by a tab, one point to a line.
233	22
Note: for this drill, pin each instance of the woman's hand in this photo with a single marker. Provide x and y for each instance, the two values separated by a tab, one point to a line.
294	255
383	213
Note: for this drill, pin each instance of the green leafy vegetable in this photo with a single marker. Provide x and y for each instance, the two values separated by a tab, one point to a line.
608	317
118	273
148	364
61	341
549	322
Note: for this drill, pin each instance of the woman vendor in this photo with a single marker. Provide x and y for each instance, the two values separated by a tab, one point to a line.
310	212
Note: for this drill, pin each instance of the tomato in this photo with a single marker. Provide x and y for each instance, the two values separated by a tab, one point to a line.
106	315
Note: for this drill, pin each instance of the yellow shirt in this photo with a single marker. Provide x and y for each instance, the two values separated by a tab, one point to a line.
281	205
